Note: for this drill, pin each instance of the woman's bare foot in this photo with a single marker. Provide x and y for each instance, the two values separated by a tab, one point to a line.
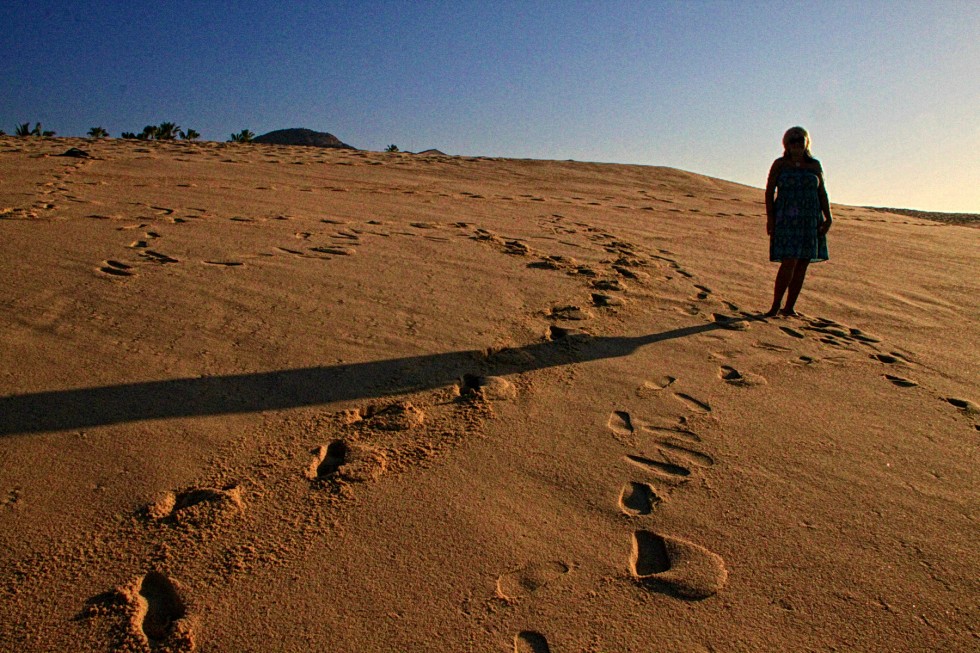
789	312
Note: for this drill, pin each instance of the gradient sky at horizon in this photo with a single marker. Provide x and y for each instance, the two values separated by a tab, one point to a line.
888	90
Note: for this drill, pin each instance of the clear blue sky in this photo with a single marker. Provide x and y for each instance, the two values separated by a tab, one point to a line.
889	90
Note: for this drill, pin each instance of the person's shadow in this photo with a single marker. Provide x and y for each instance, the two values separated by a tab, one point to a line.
60	410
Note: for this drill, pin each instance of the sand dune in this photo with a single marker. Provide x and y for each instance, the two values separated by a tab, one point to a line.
269	398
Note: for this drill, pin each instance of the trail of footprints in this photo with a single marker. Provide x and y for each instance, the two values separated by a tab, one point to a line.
666	459
663	460
152	612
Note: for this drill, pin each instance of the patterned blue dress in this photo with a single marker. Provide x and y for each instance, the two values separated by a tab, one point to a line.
797	218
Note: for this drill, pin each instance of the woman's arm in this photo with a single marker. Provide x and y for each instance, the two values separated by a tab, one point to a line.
771	195
824	226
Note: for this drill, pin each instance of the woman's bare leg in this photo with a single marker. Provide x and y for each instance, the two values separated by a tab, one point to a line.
795	286
783	278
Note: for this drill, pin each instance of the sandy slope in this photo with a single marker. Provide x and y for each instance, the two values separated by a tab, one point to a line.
259	398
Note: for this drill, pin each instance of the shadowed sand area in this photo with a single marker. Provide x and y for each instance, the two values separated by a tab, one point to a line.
262	397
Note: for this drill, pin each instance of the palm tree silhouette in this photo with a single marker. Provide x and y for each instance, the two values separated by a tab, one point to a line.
25	130
97	132
149	133
244	136
167	131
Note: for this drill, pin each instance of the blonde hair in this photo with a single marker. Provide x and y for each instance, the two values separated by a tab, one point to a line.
793	131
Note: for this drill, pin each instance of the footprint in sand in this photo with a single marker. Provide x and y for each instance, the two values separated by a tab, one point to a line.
633	275
116	269
742	379
522	582
657	385
965	405
614	285
344	461
569	313
857	334
157	257
556	332
901	382
397	416
662	469
637	499
790	331
158	614
529	641
620	423
197	505
693	403
487	387
768	346
335	250
675	566
888	359
729	322
227	264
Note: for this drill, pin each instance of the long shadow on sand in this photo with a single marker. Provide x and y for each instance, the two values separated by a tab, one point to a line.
61	410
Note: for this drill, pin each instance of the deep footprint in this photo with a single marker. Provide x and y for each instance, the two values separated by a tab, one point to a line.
529	641
346	462
333	459
638	499
733	377
965	405
730	373
116	269
901	382
161	606
676	567
620	423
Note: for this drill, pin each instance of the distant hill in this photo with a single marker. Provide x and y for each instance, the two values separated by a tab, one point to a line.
432	152
970	219
298	136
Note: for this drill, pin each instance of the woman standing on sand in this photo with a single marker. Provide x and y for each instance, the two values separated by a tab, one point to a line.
797	217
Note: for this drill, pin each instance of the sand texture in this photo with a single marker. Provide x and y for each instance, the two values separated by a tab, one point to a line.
271	398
